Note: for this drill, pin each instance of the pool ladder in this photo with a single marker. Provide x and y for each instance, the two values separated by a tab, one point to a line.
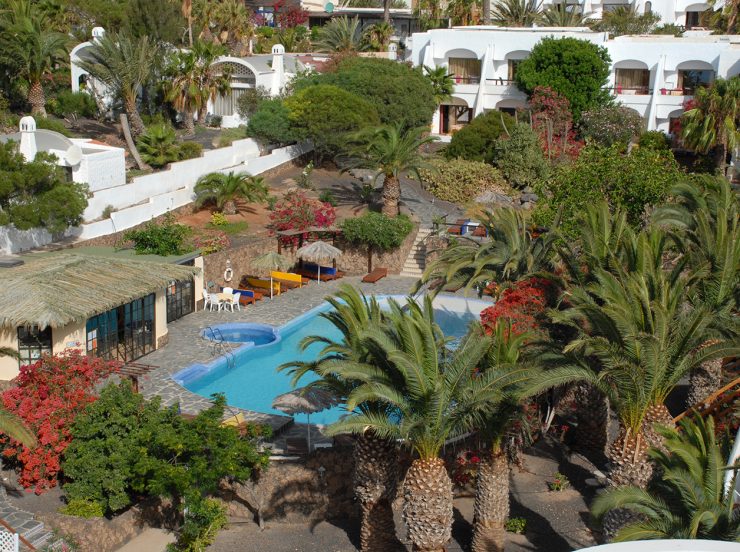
220	346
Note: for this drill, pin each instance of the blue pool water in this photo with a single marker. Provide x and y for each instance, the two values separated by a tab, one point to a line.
254	382
258	334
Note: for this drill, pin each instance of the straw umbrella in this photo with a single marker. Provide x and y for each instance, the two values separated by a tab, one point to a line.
305	400
318	251
271	261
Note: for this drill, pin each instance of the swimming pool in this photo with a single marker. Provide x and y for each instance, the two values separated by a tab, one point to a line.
253	382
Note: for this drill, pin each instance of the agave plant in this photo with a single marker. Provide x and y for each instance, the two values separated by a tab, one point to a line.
689	500
225	189
562	15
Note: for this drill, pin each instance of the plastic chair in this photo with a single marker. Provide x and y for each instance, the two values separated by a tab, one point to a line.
234	302
227	291
214	301
206	299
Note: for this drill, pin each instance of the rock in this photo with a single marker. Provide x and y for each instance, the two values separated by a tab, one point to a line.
527	206
493	197
527	190
529	197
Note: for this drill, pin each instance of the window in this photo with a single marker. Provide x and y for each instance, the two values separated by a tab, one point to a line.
648	7
226	105
124	333
180	299
465	70
632	81
691	79
513	65
692	19
32	343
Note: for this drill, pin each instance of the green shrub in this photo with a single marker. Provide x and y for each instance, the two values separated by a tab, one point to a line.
475	141
379	231
559	482
516	525
55	125
229	135
609	125
77	104
167	238
219	219
250	100
158	145
632	182
327	196
80	507
189	150
203	520
109	209
271	124
655	139
460	181
519	157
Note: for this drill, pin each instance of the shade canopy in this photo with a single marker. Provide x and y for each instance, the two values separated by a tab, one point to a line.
305	400
271	261
318	251
61	288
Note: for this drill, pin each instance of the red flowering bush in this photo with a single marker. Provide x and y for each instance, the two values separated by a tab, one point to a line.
522	305
211	242
297	211
288	17
553	122
49	395
464	467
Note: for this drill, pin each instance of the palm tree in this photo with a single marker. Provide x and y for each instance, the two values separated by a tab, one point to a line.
713	122
512	252
704	216
124	64
375	473
689	500
35	49
516	13
431	397
227	23
187	13
442	82
342	35
377	36
158	145
463	12
561	15
224	189
213	78
392	151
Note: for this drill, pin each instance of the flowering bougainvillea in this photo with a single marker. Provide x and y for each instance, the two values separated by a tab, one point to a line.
553	122
48	396
288	17
211	242
297	211
522	305
464	467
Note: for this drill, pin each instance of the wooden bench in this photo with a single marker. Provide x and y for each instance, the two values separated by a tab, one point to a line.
288	280
375	275
248	296
258	283
459	227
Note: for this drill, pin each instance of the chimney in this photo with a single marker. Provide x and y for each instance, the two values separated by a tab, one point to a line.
28	138
278	69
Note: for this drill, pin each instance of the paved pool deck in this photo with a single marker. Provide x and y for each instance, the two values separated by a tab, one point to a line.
186	347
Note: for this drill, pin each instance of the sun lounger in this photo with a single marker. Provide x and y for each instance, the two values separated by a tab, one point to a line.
247	297
375	275
258	283
480	231
288	280
459	228
310	270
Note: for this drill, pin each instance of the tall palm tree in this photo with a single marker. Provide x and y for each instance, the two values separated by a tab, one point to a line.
713	122
431	397
227	23
213	78
35	49
689	500
391	151
516	13
703	215
224	189
561	15
512	252
187	13
342	35
463	12
375	472
442	83
378	36
125	65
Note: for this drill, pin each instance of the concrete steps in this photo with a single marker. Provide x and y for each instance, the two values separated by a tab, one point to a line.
416	261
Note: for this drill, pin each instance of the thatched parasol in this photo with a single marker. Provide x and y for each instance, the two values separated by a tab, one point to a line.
305	400
318	251
271	261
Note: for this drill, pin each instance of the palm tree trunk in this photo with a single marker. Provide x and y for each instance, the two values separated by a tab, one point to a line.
491	509
137	125
229	207
732	17
592	416
427	507
202	113
375	477
387	11
37	99
391	195
703	381
486	12
188	123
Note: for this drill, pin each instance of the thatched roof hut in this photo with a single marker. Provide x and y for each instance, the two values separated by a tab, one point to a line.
57	289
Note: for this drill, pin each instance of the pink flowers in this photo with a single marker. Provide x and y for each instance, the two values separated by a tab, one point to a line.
296	211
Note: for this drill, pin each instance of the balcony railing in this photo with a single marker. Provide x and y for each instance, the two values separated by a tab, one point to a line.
466	80
631	91
501	82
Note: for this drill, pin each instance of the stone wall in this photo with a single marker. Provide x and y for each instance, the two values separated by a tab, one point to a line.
353	260
97	534
298	491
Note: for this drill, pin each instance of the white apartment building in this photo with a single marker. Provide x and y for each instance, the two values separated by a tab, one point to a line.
652	74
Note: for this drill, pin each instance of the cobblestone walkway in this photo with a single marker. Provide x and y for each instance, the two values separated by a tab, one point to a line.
186	347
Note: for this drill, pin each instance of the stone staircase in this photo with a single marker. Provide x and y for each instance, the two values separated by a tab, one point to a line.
416	261
31	530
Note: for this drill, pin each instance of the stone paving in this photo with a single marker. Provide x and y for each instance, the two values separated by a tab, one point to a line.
186	347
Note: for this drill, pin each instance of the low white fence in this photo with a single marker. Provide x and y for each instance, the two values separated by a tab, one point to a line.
154	194
8	541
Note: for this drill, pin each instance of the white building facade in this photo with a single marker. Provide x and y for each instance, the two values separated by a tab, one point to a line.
654	74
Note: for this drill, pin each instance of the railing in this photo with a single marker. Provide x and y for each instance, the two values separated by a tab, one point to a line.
630	91
466	80
16	538
220	347
501	82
